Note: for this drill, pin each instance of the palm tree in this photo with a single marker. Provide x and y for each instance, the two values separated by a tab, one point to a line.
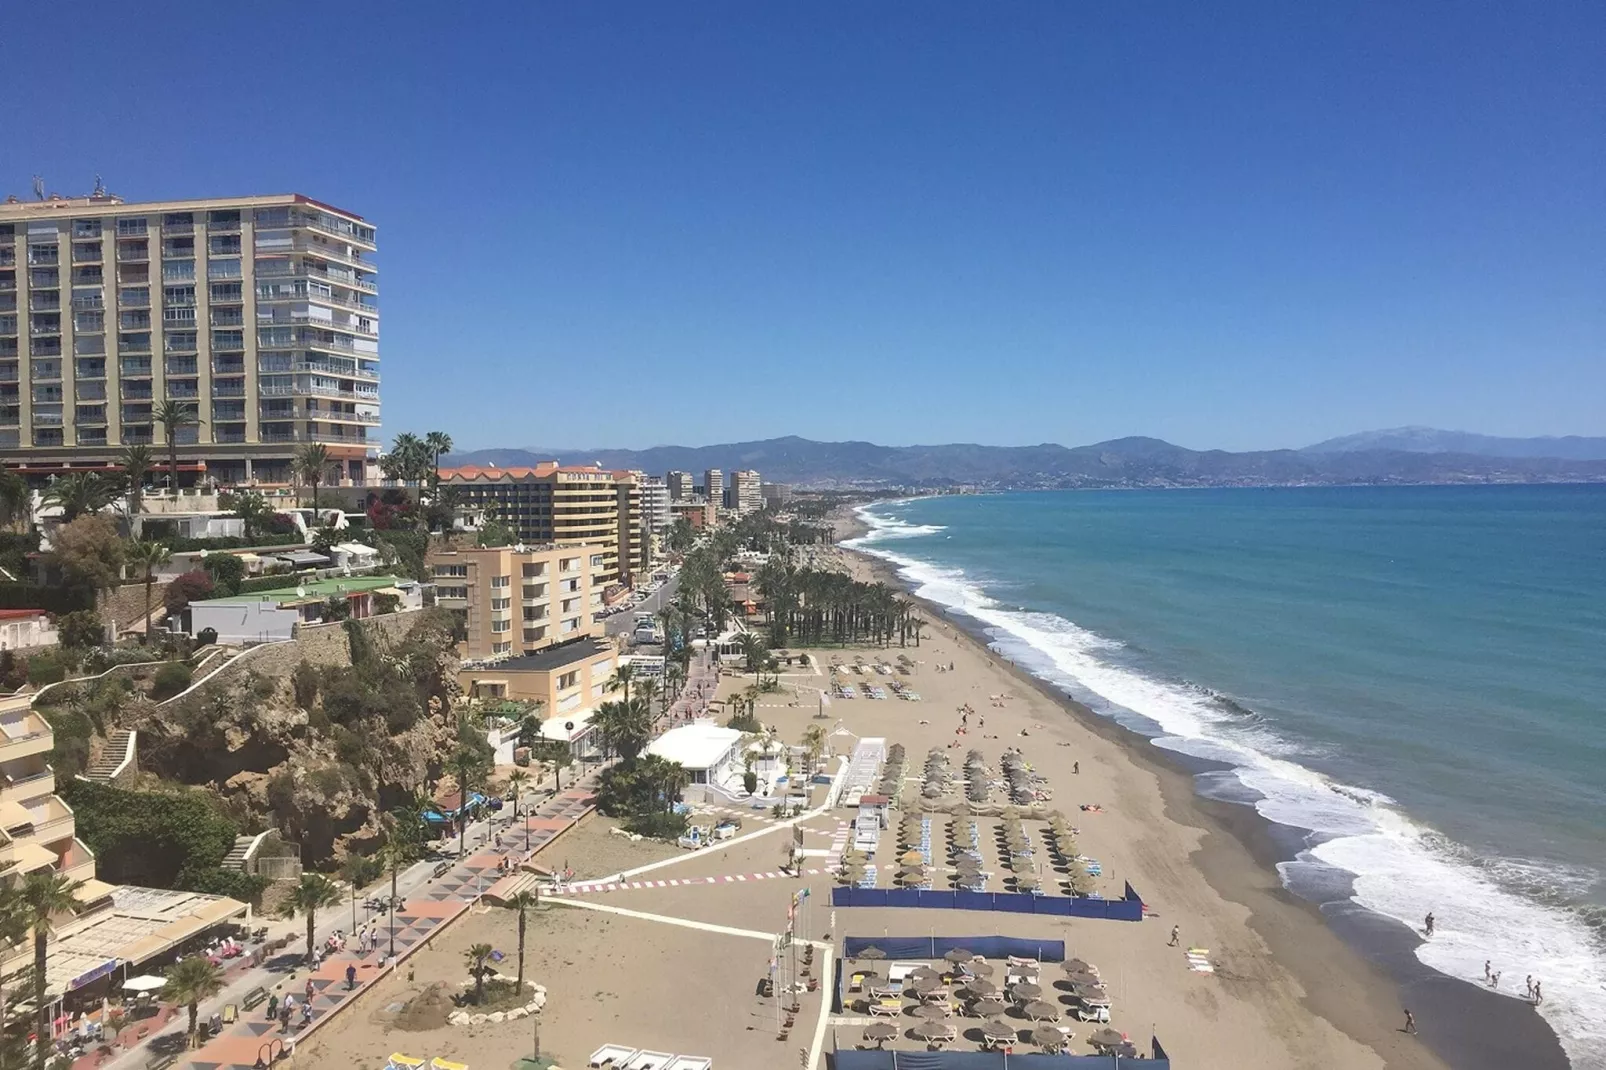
753	650
307	898
137	464
148	557
42	898
622	675
13	931
475	956
14	496
517	781
311	462
251	507
648	689
408	460
437	442
79	494
173	415
191	981
625	729
523	902
814	743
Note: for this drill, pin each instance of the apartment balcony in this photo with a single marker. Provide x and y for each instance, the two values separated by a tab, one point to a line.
57	823
133	253
43	255
138	436
326	252
26	735
344	235
277	437
228	438
228	390
343	417
10	416
341	370
173	227
78	863
42	419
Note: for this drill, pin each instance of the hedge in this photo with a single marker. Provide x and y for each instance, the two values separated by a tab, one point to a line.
231	542
56	599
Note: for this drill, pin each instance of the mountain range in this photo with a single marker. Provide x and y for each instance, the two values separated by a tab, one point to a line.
1407	455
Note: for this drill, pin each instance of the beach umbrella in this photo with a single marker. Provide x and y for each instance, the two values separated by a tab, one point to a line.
960	954
989	1006
910	858
921	985
1093	992
1040	1011
930	1031
1083	979
1050	1040
144	983
879	1033
980	969
1025	990
1105	1038
871	952
931	1012
1124	1050
982	987
995	1029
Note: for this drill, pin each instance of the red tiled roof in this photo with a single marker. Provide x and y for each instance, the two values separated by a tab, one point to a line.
19	614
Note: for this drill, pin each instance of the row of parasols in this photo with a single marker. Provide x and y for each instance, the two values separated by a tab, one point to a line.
938	778
892	773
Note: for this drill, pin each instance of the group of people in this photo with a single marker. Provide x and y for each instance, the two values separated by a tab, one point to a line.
287	1010
1535	990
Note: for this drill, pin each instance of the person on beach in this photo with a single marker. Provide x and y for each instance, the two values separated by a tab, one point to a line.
1410	1022
1076	768
1539	997
1427	925
1486	974
1176	935
1494	980
1530	983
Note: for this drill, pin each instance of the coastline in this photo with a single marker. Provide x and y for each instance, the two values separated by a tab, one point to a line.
1355	969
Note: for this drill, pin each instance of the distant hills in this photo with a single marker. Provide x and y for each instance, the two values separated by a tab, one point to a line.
1124	462
1432	440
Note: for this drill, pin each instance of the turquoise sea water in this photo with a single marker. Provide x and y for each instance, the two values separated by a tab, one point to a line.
1415	677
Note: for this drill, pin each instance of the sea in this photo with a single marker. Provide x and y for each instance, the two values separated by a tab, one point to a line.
1412	680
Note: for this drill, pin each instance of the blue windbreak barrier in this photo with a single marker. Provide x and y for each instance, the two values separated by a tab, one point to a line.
1129	908
935	947
847	1059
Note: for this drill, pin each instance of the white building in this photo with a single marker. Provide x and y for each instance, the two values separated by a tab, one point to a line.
21	629
709	753
656	517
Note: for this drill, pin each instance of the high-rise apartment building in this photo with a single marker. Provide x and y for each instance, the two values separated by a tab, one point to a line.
746	495
655	515
520	599
714	488
776	494
564	504
680	485
258	312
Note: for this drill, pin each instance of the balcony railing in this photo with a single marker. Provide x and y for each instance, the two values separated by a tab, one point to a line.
228	390
330	369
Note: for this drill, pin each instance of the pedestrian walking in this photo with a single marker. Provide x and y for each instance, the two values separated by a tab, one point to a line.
351	976
1539	996
1486	973
1427	925
312	990
1176	934
1410	1022
1529	981
273	1006
306	1014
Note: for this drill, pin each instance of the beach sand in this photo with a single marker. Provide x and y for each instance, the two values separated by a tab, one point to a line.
1288	992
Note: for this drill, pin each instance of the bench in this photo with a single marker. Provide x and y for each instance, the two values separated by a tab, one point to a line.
162	1062
254	998
442	868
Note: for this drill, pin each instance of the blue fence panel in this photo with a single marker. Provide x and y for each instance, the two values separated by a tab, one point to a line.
846	1059
1128	908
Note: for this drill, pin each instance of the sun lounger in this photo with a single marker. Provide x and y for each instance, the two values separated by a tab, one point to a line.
886	992
691	1062
398	1061
614	1055
438	1063
650	1060
885	1008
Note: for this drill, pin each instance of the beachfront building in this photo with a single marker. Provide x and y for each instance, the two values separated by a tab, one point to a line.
553	503
115	926
655	514
746	497
520	599
567	681
710	754
680	485
267	616
775	495
260	312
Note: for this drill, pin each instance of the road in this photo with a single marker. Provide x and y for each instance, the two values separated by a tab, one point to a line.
624	622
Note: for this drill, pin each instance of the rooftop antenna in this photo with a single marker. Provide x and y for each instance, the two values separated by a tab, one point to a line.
100	188
39	187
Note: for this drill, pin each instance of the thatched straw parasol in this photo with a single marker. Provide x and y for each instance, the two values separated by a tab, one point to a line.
1041	1012
996	1029
959	954
931	1012
879	1033
934	1031
990	1005
872	952
982	987
1026	991
1105	1038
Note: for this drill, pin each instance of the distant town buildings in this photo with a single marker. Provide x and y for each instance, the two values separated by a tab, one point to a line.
552	503
745	494
655	515
696	511
775	495
260	314
714	488
680	485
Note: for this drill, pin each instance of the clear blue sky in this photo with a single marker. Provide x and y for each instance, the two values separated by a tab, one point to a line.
1239	225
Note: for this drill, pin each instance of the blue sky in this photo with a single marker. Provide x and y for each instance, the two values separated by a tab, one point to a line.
1241	226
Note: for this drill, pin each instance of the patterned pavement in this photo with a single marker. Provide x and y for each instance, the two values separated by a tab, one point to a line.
445	897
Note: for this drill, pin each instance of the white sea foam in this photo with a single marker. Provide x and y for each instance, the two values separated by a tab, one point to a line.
1401	869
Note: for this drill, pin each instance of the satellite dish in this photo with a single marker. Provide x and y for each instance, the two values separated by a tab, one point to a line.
301	590
568	726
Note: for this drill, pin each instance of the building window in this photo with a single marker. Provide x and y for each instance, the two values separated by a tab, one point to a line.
501	581
452	570
501	626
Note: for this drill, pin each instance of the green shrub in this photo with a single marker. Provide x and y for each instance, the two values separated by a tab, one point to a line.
171	679
745	722
658	826
304	682
227	572
81	628
159	839
46	667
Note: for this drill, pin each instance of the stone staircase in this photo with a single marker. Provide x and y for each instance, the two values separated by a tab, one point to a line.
116	758
240	854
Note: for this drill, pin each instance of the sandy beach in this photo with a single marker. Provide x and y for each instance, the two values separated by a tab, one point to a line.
670	958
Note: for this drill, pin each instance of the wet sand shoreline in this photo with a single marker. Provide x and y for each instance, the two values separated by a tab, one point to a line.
1357	968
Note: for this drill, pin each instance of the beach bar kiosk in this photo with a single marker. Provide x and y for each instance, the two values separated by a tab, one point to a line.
872	812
